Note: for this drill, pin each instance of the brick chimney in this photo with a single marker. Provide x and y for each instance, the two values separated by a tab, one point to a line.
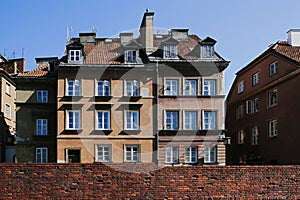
146	31
294	37
87	37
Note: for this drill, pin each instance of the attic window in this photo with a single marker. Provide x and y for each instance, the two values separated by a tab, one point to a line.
207	51
170	51
74	56
130	56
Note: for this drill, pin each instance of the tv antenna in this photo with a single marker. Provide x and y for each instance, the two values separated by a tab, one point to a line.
94	29
69	30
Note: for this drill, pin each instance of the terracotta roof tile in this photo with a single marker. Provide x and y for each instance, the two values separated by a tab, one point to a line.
287	50
38	72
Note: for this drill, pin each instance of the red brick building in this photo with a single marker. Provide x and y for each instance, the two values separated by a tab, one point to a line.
263	105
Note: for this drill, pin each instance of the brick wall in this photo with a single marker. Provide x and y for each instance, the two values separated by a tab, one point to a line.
86	181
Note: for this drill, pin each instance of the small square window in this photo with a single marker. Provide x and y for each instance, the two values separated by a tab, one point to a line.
132	153
171	87
210	154
170	51
74	56
191	154
103	153
103	88
130	56
41	155
42	96
172	154
190	87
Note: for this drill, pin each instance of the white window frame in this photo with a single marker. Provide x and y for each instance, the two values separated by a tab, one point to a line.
190	120
102	122
103	153
209	87
74	56
7	111
41	155
210	121
42	96
190	87
74	121
255	78
273	129
241	137
75	89
130	122
132	153
207	51
273	68
172	154
132	88
210	154
7	88
41	127
241	87
254	135
272	98
171	87
173	123
170	51
104	88
130	56
191	154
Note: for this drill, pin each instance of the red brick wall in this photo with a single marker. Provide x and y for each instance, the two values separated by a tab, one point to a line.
86	181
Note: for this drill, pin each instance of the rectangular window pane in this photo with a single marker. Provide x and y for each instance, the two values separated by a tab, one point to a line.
42	96
210	154
41	155
171	120
132	120
103	120
171	87
103	88
73	88
41	127
73	120
132	153
103	153
171	154
209	121
190	87
191	155
190	120
209	87
132	88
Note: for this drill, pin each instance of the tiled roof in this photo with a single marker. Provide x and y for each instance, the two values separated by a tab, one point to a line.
38	72
287	50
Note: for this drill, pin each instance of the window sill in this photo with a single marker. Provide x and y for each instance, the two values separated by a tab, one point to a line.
130	132
71	131
101	132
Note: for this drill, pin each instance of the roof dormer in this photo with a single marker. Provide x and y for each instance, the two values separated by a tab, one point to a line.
207	48
170	48
75	53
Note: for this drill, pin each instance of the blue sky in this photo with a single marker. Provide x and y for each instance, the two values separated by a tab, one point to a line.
243	29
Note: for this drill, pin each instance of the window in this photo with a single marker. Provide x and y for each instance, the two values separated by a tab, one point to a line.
171	87
130	56
272	100
75	55
254	131
255	78
132	120
103	88
41	155
190	87
171	154
210	154
73	155
209	87
103	153
132	88
241	87
273	68
252	106
42	96
207	51
241	136
190	120
7	88
73	119
171	122
7	111
191	155
73	88
209	120
132	153
240	111
170	51
41	127
103	120
273	128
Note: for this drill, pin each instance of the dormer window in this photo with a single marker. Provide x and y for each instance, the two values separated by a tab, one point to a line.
74	56
130	56
170	51
207	51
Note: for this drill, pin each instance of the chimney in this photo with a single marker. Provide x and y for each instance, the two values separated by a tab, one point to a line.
87	37
125	37
294	37
146	31
180	34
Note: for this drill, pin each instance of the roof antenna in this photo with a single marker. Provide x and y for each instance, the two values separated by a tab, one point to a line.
69	30
147	10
